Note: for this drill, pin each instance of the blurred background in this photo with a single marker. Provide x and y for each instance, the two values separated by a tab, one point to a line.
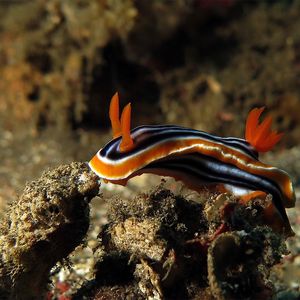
197	63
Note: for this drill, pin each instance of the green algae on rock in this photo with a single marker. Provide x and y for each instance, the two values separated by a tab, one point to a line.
42	227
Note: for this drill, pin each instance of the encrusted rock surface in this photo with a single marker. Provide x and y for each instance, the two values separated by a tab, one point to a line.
162	246
43	226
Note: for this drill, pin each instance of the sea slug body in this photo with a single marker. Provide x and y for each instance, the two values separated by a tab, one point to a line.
195	157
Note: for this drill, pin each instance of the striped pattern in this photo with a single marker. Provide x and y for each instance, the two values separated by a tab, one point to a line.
195	157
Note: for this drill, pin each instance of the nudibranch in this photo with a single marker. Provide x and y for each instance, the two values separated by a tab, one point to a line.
195	157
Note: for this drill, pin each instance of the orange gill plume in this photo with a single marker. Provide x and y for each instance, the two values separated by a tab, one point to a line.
121	128
260	136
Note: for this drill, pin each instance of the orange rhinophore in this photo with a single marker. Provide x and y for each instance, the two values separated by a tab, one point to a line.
114	115
121	128
127	142
260	136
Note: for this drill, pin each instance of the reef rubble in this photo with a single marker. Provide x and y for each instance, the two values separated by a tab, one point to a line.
42	226
154	245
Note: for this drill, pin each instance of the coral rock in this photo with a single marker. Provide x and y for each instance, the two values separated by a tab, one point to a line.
43	226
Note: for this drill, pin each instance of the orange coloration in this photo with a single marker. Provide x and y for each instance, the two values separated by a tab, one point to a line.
63	297
114	115
62	286
220	188
124	169
256	194
221	229
121	128
260	136
127	142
